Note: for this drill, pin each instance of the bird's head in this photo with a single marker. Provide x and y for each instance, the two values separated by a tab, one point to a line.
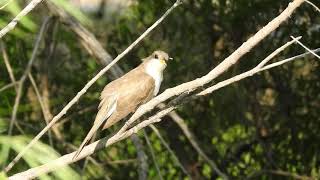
158	60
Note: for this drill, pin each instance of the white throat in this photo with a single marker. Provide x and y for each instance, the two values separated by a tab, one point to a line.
155	68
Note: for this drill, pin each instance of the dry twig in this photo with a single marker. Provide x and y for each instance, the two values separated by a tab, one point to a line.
34	85
183	126
313	5
166	145
7	63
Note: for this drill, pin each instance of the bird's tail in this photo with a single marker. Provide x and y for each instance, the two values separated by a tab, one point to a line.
100	119
91	133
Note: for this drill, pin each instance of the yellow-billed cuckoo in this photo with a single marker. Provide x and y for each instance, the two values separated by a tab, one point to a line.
124	95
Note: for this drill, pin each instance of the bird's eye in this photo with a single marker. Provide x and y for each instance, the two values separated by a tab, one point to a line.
156	56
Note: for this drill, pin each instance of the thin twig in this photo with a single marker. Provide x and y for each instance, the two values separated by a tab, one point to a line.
192	139
91	82
39	97
154	159
247	73
166	145
276	52
280	173
15	21
313	5
8	86
7	63
6	4
25	74
300	43
142	157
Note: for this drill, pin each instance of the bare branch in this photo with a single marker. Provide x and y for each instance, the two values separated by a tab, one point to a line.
105	142
142	157
153	155
251	72
93	46
274	53
8	86
180	122
15	21
166	145
280	173
6	4
7	63
87	150
218	70
91	82
313	5
297	40
34	85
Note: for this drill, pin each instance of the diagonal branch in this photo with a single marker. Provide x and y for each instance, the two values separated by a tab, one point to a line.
305	47
105	142
7	63
91	82
94	48
218	70
166	145
39	97
192	139
251	72
313	5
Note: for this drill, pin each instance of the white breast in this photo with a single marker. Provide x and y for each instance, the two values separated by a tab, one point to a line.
154	68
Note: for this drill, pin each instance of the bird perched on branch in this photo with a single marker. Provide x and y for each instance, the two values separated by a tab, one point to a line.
124	95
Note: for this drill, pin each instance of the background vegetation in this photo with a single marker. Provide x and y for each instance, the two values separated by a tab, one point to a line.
264	127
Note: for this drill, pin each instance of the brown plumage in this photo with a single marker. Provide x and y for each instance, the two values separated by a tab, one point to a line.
124	95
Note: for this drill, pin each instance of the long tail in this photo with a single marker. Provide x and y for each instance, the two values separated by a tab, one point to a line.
92	131
101	117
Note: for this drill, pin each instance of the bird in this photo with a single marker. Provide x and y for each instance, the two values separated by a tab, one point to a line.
124	95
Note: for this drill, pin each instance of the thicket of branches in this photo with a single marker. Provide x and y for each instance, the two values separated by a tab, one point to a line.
264	126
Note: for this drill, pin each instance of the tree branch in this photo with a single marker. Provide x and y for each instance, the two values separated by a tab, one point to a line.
191	86
195	145
105	142
91	82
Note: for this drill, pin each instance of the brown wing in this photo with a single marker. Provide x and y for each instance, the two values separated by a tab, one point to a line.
119	98
133	91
